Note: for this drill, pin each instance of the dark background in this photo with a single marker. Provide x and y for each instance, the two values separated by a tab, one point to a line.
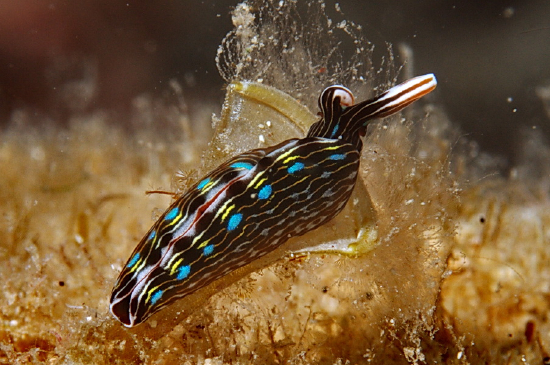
482	55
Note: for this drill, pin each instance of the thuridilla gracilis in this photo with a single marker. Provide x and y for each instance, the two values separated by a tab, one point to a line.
253	203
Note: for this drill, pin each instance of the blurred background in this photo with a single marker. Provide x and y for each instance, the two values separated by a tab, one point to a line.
59	57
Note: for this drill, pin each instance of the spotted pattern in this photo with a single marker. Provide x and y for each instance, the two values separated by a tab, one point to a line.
265	192
208	250
234	221
183	272
242	165
173	213
156	296
134	260
249	206
202	184
297	166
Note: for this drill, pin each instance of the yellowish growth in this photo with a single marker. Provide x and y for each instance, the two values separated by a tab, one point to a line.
283	103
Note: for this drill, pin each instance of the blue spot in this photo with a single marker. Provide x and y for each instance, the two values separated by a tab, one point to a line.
207	251
171	214
296	167
334	130
152	235
133	260
156	296
242	165
203	183
183	272
265	192
234	221
337	157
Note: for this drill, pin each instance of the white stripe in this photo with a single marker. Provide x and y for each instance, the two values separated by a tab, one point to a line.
430	83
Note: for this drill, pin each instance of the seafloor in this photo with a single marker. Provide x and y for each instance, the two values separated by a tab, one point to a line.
460	275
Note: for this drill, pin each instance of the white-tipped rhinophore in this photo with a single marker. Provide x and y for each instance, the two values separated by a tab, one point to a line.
404	94
346	96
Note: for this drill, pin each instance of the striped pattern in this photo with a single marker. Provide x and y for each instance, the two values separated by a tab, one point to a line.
350	123
251	204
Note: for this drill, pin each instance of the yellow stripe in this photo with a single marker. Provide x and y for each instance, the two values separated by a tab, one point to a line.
198	238
136	265
221	210
203	244
284	155
175	266
177	219
208	186
227	212
173	258
150	292
291	158
253	181
260	183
